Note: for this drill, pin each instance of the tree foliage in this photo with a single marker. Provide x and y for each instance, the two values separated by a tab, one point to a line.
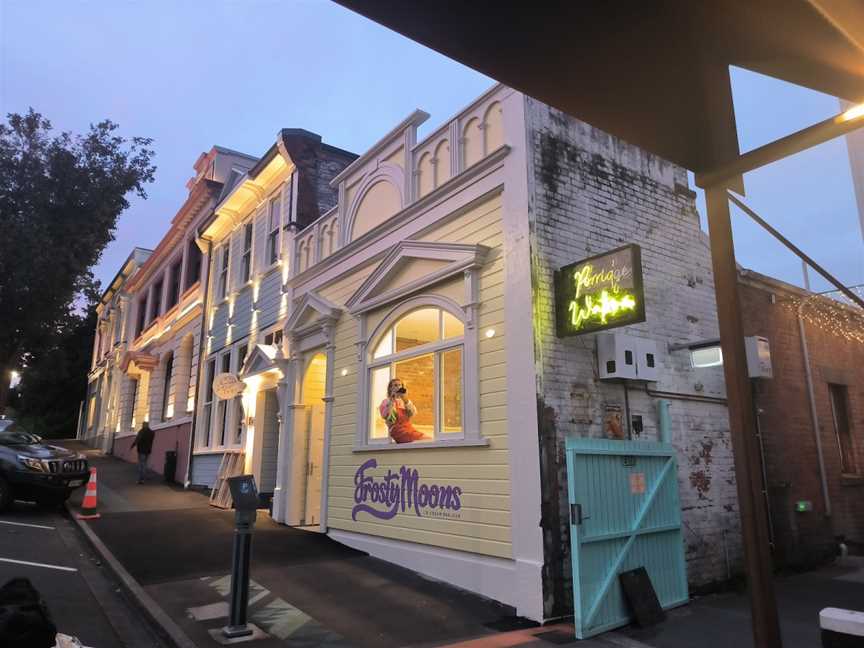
60	197
55	377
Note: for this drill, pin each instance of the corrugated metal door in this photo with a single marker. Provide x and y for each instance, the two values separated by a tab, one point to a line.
625	514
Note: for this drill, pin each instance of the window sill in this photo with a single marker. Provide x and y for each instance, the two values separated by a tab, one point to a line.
213	451
456	443
172	422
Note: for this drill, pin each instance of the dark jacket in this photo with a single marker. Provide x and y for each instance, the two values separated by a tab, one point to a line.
144	440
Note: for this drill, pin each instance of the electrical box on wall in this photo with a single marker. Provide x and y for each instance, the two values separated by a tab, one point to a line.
758	352
625	356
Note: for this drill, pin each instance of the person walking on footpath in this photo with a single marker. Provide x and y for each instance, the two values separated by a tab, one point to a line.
144	442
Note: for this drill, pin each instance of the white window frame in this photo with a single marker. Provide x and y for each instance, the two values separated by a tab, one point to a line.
246	269
274	208
223	258
468	342
436	349
207	404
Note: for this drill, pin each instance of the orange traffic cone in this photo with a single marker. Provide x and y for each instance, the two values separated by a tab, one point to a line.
88	506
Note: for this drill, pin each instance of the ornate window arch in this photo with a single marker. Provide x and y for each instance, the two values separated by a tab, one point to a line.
428	340
421	342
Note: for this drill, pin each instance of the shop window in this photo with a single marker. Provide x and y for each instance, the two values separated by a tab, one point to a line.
222	405
840	412
273	232
242	352
246	263
207	409
136	382
166	388
423	349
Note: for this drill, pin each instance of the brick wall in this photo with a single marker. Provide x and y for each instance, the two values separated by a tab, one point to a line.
806	538
589	193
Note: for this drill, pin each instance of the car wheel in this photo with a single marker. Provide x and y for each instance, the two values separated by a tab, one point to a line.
5	495
53	501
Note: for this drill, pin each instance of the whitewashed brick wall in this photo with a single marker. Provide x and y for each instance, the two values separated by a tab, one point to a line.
590	193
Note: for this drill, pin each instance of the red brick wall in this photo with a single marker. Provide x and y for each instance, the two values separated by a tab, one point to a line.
790	448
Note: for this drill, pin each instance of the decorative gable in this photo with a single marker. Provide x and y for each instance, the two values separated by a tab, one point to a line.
410	267
311	312
261	359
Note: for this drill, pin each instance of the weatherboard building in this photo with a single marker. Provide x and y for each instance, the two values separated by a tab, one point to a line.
532	282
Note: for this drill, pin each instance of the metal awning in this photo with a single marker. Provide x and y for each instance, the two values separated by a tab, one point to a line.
656	74
652	73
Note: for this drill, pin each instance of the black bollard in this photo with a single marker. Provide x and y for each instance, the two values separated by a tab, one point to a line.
245	497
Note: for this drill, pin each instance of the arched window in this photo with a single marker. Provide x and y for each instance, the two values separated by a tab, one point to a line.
424	348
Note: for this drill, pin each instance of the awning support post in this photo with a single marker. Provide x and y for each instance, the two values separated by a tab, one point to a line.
742	424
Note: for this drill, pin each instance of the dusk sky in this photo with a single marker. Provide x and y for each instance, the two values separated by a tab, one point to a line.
194	74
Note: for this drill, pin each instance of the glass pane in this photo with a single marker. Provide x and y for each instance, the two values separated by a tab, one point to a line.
418	378
452	326
451	391
385	346
419	327
378	392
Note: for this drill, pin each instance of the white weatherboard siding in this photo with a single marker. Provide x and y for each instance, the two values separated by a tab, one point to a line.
483	473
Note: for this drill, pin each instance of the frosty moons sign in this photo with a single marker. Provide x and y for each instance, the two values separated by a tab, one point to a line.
601	292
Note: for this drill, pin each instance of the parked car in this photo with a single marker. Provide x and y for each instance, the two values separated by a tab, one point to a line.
33	470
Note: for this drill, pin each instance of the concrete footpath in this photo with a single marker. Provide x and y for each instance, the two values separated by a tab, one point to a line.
308	590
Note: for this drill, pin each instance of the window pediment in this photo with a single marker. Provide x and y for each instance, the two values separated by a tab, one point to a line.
260	359
312	311
412	266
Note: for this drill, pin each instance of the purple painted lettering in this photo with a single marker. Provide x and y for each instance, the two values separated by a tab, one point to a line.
399	492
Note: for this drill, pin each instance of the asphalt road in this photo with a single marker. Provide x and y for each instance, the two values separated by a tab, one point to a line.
81	595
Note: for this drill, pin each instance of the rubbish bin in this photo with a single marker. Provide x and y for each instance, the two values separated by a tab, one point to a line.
170	468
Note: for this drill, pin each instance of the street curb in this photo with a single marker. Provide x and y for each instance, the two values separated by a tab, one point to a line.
156	614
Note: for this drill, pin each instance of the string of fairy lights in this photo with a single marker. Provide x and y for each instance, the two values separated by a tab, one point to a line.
832	313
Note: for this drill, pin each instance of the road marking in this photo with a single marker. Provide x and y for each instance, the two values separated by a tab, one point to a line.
35	564
34	526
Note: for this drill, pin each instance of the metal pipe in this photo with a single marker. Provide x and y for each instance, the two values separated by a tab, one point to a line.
627	410
756	413
201	363
687	397
664	422
814	415
797	251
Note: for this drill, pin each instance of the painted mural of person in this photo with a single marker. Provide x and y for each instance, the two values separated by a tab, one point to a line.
397	410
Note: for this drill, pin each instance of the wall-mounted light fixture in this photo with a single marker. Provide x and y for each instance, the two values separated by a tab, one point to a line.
490	333
703	353
344	372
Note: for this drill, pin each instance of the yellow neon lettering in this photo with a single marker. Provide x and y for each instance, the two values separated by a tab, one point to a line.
599	308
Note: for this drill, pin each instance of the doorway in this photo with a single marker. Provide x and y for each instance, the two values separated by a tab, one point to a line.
269	442
310	437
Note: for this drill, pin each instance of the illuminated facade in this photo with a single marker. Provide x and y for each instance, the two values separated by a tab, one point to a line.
431	261
472	268
101	411
162	303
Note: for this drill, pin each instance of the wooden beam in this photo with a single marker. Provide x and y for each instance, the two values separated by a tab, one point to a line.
784	147
742	425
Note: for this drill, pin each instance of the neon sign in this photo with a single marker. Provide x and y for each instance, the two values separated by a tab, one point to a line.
600	292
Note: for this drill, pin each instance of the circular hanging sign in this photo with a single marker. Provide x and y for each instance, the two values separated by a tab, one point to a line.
227	385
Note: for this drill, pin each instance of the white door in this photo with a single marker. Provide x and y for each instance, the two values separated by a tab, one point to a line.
314	464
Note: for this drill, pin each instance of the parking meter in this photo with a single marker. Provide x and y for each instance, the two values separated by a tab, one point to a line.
245	496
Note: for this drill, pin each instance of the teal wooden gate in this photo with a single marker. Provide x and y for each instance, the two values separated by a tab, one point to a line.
624	514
